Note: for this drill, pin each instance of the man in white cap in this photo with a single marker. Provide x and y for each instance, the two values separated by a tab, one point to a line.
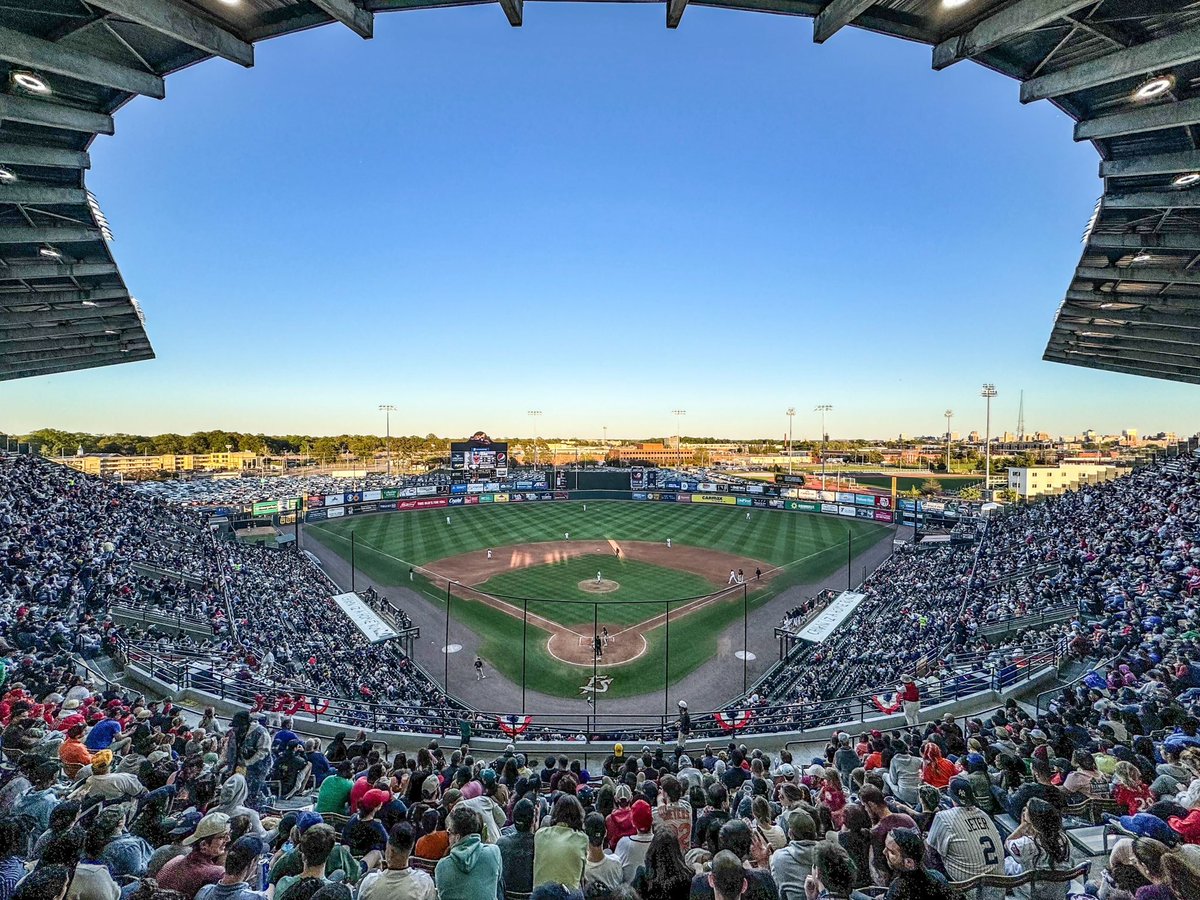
683	725
910	699
205	864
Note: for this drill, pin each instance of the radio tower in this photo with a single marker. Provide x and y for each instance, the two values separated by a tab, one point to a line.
1021	418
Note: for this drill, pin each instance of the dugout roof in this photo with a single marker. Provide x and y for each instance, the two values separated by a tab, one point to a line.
1127	71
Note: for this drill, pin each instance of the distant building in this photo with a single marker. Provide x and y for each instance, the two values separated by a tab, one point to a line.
653	452
110	464
1039	481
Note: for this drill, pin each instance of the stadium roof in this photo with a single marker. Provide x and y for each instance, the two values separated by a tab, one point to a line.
1128	72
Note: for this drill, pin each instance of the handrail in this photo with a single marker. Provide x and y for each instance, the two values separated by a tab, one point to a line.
1074	681
419	718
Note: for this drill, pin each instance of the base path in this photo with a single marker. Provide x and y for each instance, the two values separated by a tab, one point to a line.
474	568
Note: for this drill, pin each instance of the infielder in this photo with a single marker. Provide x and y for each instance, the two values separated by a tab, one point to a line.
489	552
597	578
668	543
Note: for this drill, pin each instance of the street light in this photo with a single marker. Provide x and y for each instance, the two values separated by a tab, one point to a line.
387	409
949	414
678	452
823	408
791	414
987	392
535	414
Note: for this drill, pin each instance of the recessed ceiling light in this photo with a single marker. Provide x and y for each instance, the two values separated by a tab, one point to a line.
109	331
954	4
31	82
1155	87
89	303
1097	334
231	2
1142	257
1187	180
50	252
7	176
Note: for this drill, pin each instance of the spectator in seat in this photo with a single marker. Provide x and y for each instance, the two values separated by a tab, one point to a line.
1039	842
602	869
560	850
516	849
204	862
791	865
472	870
399	881
631	849
241	866
905	856
966	837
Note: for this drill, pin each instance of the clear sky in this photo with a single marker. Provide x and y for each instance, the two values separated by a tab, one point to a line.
598	218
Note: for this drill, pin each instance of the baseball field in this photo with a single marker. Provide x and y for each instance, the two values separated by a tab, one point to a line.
559	574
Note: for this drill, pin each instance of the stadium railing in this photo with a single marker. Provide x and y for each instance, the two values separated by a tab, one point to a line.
418	716
1012	622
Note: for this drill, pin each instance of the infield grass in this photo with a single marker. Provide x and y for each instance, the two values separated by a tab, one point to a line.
808	547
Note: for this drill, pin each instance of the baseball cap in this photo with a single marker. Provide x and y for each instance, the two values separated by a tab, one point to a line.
215	823
787	770
623	794
308	819
1038	735
815	771
488	776
618	749
374	798
429	787
643	817
183	824
961	792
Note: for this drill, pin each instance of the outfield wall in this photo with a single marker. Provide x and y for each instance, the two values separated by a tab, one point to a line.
871	507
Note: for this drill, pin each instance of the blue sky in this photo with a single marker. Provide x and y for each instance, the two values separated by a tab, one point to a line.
599	218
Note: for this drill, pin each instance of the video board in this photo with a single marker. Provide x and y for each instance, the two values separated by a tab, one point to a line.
479	455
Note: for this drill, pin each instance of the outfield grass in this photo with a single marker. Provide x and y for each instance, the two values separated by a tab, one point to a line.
557	584
809	547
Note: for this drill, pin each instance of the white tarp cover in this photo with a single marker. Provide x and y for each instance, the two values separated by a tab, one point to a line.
831	617
364	618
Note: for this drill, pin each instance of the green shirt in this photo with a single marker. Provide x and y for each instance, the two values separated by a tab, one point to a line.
559	853
291	865
286	882
334	796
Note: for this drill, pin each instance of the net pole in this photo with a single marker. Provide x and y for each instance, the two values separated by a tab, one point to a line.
666	665
524	632
595	658
745	638
352	534
446	646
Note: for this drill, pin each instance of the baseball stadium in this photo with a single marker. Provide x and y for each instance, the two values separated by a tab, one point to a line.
342	684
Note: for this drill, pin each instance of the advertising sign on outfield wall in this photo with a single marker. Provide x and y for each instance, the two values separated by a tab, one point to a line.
724	499
744	501
316	515
472	500
803	505
265	508
391	493
883	501
487	498
315	501
882	515
457	501
845	510
864	500
500	498
372	495
845	497
336	512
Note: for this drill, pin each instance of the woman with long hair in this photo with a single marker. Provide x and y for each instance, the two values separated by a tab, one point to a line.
1148	857
1039	842
1085	778
936	769
760	808
1129	789
855	838
833	797
1182	873
337	748
663	875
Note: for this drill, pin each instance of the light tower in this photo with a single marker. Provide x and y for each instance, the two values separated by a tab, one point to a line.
823	408
535	414
387	409
678	446
987	392
949	414
791	414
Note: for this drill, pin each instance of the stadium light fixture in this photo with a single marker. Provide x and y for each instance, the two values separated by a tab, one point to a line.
30	82
535	414
791	414
987	392
89	303
823	408
954	4
1154	87
1187	180
49	252
387	409
110	331
1142	257
7	176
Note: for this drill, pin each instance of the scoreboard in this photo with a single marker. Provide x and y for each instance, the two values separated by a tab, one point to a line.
479	455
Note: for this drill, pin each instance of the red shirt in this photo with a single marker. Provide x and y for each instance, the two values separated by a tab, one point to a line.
910	693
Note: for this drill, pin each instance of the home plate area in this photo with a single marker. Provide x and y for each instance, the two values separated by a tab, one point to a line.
578	649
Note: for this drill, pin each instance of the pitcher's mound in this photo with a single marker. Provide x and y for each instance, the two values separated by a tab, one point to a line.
603	586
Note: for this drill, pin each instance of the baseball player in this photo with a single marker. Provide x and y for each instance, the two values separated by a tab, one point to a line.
597	647
566	535
479	676
597	578
732	577
668	543
447	520
604	633
489	552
